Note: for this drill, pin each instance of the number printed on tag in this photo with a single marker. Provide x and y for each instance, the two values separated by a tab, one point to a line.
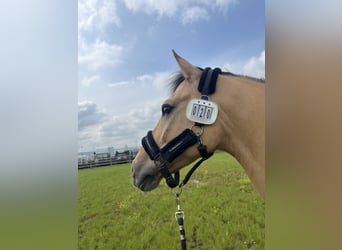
202	111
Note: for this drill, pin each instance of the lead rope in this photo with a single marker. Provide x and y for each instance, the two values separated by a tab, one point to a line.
179	215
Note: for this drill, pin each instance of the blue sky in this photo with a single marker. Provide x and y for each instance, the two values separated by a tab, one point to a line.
125	57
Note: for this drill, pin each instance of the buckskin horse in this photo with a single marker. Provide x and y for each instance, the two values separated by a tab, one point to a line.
207	110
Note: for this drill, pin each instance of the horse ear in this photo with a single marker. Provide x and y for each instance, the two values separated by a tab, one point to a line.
189	71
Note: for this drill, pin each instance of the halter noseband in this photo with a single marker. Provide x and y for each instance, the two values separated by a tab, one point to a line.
184	140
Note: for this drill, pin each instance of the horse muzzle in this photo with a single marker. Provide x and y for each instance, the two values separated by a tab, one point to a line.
145	176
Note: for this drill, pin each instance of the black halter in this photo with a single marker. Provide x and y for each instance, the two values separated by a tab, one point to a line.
184	140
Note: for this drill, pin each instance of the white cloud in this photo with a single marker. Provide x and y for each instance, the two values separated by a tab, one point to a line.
194	14
87	81
189	10
232	67
120	84
97	14
88	114
158	80
255	66
98	128
162	7
219	4
99	54
102	129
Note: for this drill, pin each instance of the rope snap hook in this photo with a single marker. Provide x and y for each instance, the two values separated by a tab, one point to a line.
179	216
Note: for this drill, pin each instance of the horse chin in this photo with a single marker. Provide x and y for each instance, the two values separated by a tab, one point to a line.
145	178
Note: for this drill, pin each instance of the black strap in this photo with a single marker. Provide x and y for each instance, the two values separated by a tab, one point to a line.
170	181
169	152
207	84
205	155
203	151
203	83
177	145
150	146
182	233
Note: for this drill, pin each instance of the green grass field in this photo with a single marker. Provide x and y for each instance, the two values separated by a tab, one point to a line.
222	211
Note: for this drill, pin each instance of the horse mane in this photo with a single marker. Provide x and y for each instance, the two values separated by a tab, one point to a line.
177	78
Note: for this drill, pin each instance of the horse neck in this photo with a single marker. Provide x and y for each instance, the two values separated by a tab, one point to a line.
242	120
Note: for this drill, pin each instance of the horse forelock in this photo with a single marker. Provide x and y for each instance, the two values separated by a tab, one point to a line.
176	79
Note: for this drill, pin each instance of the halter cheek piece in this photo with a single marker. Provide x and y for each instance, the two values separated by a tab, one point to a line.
184	140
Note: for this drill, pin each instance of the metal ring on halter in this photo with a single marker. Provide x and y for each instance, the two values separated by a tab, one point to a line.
200	142
204	97
177	194
198	133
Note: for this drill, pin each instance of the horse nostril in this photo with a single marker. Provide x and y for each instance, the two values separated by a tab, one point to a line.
148	179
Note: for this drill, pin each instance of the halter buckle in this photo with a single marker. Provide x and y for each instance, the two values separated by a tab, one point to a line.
158	158
201	129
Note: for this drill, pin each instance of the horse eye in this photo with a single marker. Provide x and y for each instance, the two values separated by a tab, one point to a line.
166	109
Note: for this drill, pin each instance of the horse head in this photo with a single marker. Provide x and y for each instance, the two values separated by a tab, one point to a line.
174	120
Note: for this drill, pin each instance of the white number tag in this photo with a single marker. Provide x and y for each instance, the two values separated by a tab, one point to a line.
202	111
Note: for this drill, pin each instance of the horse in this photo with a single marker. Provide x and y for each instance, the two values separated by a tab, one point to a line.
238	128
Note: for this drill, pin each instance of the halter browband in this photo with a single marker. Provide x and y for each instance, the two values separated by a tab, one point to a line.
184	140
